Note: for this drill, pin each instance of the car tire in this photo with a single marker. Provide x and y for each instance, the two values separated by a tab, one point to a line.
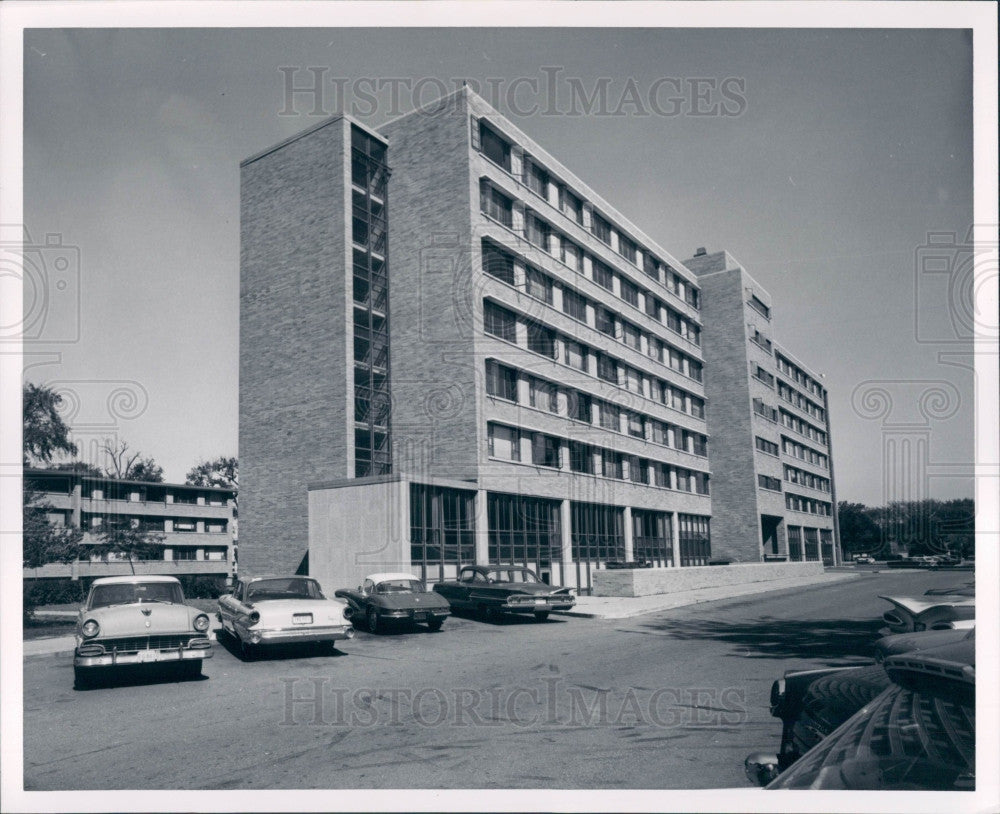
541	616
491	614
372	618
435	624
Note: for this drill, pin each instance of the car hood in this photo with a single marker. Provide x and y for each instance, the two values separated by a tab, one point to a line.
142	619
915	605
404	601
901	643
280	611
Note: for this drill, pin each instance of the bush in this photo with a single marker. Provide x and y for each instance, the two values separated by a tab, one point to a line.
203	587
54	591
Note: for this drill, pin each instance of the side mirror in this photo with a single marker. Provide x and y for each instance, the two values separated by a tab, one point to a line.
761	768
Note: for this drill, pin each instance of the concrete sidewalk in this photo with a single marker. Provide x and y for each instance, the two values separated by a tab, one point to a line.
619	607
591	607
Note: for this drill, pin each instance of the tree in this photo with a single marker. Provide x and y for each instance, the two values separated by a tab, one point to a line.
222	472
120	534
124	464
859	531
79	468
45	433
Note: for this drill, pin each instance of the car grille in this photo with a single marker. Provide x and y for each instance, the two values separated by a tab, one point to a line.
137	643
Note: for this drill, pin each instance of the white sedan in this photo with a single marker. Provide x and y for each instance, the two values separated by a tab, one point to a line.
282	610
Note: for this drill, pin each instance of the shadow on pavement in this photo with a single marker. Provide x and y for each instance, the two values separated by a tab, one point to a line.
306	650
765	638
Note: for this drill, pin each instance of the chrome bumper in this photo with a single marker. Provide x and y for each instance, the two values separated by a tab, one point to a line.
142	657
294	635
550	604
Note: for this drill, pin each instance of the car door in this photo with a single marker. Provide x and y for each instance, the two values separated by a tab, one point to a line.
457	592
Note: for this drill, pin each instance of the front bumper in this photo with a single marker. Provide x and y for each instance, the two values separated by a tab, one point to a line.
542	604
411	615
200	650
299	635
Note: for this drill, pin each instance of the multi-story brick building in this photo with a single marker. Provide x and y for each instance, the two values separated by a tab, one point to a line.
196	523
770	426
547	392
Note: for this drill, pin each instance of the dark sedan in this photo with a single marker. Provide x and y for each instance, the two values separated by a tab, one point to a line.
394	599
495	590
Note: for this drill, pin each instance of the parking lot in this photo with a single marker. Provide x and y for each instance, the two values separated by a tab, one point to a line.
668	700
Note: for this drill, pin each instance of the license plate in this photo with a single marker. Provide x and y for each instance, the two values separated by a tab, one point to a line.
146	655
302	619
419	617
540	601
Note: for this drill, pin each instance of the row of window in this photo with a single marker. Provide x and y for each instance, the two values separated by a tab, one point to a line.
813	539
496	148
187	554
502	382
762	375
766	446
759	339
132	492
502	323
765	410
804	453
799	503
767	482
526	446
501	264
803	427
799	376
96	522
794	397
803	478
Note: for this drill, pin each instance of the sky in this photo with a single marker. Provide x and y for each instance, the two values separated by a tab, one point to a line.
834	157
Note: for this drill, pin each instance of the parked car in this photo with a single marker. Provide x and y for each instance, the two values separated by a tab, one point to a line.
916	613
815	704
864	559
965	589
494	590
138	620
273	610
919	734
395	598
937	640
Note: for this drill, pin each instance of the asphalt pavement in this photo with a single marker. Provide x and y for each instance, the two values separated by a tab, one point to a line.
669	699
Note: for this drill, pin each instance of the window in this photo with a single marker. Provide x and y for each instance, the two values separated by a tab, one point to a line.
576	355
610	417
571	205
654	348
505	442
501	381
581	458
604	321
499	322
537	285
765	410
651	537
571	254
762	375
495	148
626	248
699	444
523	530
631	335
536	178
541	340
635	425
759	306
496	205
695	539
650	266
601	229
612	465
543	395
536	231
630	292
603	275
633	380
695	370
766	482
442	526
697	407
692	296
652	306
607	368
574	305
498	263
658	432
544	450
766	446
597	532
579	406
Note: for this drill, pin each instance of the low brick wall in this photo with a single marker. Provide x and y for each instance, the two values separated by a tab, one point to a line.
648	581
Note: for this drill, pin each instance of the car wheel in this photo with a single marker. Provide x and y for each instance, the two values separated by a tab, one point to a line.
492	614
435	624
373	626
541	616
247	651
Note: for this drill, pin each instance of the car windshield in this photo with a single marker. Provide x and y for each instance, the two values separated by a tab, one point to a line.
127	593
512	575
284	588
399	586
903	740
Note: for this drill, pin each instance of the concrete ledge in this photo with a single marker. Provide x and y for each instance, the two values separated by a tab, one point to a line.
650	581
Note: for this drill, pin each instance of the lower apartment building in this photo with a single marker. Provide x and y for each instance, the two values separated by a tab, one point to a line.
454	351
196	524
